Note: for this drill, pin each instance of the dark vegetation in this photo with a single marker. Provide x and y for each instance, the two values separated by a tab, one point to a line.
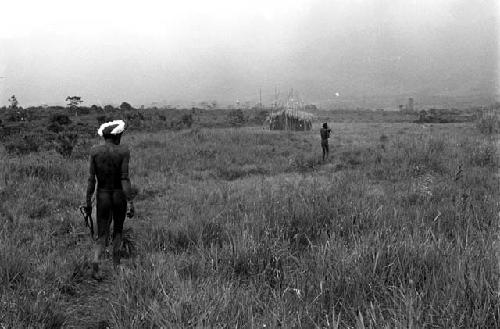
36	128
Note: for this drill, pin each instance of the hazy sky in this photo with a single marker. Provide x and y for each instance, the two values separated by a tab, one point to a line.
193	50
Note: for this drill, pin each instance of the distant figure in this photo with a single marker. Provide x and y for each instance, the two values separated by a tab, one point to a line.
325	134
109	164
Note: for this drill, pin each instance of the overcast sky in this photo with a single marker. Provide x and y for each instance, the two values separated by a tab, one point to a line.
193	50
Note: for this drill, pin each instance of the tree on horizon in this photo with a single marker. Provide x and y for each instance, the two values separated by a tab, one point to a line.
73	102
13	102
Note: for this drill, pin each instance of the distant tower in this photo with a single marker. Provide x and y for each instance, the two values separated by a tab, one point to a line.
410	104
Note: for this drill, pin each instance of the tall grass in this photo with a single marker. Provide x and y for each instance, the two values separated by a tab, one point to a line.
488	122
243	228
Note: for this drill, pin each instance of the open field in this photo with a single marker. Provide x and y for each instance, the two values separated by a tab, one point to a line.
248	228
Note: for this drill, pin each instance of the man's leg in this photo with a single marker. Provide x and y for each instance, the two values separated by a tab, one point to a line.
119	213
103	215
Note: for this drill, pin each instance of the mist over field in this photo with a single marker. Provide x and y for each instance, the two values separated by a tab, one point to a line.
372	53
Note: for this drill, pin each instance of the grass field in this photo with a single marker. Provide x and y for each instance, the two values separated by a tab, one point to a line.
248	228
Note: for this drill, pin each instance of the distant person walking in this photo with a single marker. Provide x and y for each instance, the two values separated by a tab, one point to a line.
109	164
325	134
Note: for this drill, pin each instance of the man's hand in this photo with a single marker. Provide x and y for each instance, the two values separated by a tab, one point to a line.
88	209
130	209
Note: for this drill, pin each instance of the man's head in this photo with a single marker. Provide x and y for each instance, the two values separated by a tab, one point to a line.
325	125
112	130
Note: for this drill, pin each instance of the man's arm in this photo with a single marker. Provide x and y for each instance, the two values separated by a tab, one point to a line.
126	186
91	183
125	176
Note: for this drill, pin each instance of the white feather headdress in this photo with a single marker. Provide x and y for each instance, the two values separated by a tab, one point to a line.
120	126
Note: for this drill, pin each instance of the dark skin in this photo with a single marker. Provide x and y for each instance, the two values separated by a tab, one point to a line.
325	134
107	179
109	167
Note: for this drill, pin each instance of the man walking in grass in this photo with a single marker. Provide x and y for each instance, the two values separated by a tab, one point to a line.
325	134
109	164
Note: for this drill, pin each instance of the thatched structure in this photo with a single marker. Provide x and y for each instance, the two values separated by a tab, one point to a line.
288	119
444	116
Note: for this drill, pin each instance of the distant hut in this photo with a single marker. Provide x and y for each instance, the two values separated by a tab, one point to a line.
288	119
434	115
290	115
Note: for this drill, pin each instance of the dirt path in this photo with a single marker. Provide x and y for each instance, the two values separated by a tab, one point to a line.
87	302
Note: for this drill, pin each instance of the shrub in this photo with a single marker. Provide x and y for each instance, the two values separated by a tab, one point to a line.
24	145
61	119
55	127
65	143
14	116
236	118
102	119
95	108
187	120
125	106
134	116
83	110
81	149
9	131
